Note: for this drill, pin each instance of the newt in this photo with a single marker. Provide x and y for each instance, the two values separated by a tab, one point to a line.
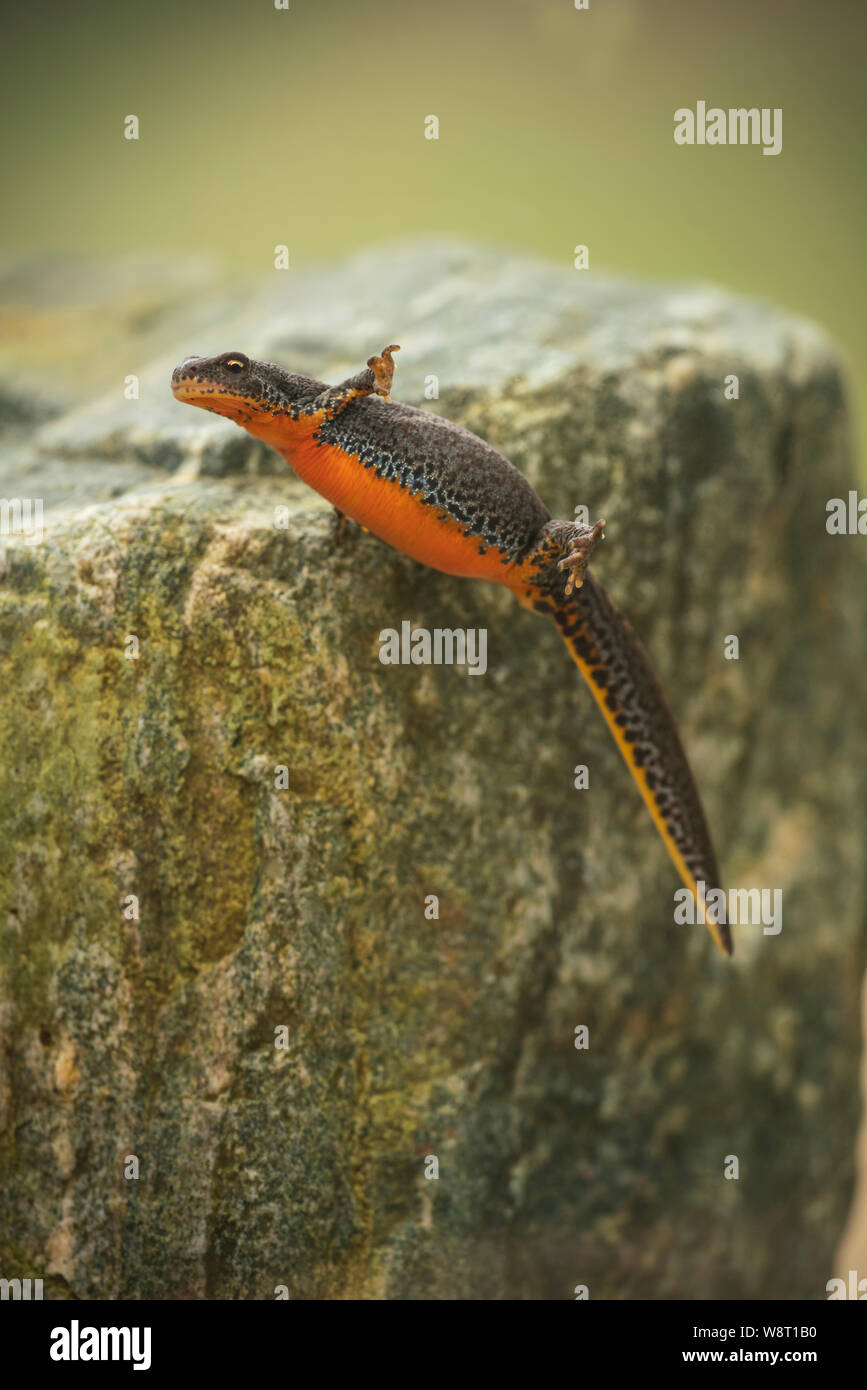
445	497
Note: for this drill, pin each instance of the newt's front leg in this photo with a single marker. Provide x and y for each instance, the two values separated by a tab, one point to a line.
375	380
383	370
344	527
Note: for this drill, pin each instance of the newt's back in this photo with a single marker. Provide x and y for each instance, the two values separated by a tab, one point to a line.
446	467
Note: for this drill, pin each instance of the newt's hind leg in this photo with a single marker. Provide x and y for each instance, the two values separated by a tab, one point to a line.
563	547
580	546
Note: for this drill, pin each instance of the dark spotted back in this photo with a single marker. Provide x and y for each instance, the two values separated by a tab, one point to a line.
454	469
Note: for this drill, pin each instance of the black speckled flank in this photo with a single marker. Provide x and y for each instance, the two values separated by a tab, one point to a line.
452	469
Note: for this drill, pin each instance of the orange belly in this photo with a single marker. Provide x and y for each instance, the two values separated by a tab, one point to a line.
394	514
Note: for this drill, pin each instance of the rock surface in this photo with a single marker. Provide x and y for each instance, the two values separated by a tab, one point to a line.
303	909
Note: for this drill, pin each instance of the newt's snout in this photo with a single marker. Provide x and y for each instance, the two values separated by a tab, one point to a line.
184	371
191	379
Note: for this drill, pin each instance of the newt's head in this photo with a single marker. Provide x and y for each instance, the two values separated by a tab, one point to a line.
250	393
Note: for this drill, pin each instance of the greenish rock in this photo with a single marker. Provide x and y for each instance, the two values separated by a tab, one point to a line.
303	909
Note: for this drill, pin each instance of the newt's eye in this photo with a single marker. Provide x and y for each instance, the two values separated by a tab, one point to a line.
236	363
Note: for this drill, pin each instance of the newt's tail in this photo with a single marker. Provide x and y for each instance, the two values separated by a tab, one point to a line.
618	671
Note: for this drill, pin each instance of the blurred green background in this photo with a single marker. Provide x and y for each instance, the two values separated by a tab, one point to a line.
305	126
